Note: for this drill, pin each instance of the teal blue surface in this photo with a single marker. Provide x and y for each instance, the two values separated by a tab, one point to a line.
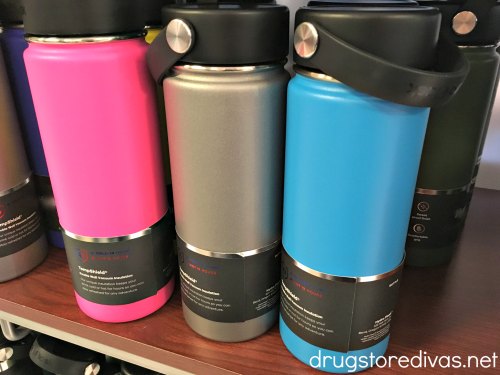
350	172
328	360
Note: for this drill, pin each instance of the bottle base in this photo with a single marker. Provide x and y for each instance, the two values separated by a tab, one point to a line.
128	312
329	360
429	257
230	332
21	262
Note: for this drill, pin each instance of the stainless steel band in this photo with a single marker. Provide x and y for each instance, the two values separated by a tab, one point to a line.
205	68
480	47
83	40
16	188
314	75
348	279
128	237
214	254
443	192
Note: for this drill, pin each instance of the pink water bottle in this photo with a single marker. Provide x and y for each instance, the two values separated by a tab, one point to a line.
96	109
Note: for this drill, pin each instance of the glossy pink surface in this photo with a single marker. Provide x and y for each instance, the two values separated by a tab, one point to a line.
96	109
128	312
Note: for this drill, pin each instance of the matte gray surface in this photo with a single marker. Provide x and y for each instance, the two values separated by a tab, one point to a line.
14	170
226	137
14	167
23	261
230	332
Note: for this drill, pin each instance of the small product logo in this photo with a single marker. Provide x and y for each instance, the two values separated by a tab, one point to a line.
2	211
84	255
419	228
423	206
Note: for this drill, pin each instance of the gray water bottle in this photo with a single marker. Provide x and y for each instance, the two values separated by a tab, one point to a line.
221	66
22	241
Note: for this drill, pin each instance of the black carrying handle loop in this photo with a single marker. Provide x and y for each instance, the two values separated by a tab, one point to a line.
377	77
160	57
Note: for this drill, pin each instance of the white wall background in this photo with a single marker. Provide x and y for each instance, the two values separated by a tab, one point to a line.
489	170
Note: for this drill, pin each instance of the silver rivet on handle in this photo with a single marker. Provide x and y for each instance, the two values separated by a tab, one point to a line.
305	40
464	22
179	36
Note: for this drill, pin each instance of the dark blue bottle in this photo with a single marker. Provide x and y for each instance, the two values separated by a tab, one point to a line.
367	73
13	44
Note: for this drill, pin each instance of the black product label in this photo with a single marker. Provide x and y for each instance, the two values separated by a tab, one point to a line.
124	271
437	219
337	313
231	289
48	205
20	222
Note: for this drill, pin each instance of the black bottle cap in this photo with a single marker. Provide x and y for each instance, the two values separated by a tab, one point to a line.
387	49
68	18
399	31
11	12
232	33
152	10
469	22
220	33
60	357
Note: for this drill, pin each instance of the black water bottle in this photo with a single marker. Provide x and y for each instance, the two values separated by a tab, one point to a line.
455	134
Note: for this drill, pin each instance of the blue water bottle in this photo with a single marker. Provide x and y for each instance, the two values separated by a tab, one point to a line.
367	73
13	45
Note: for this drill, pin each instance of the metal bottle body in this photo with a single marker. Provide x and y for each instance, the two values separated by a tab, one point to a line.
226	137
18	201
228	172
350	171
361	154
14	44
96	110
450	160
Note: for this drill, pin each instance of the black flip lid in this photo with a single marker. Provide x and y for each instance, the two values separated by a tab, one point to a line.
21	347
152	9
487	13
232	32
11	12
60	357
225	34
20	362
67	18
399	31
388	49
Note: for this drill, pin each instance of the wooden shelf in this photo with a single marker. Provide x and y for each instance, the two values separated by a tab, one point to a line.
449	310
